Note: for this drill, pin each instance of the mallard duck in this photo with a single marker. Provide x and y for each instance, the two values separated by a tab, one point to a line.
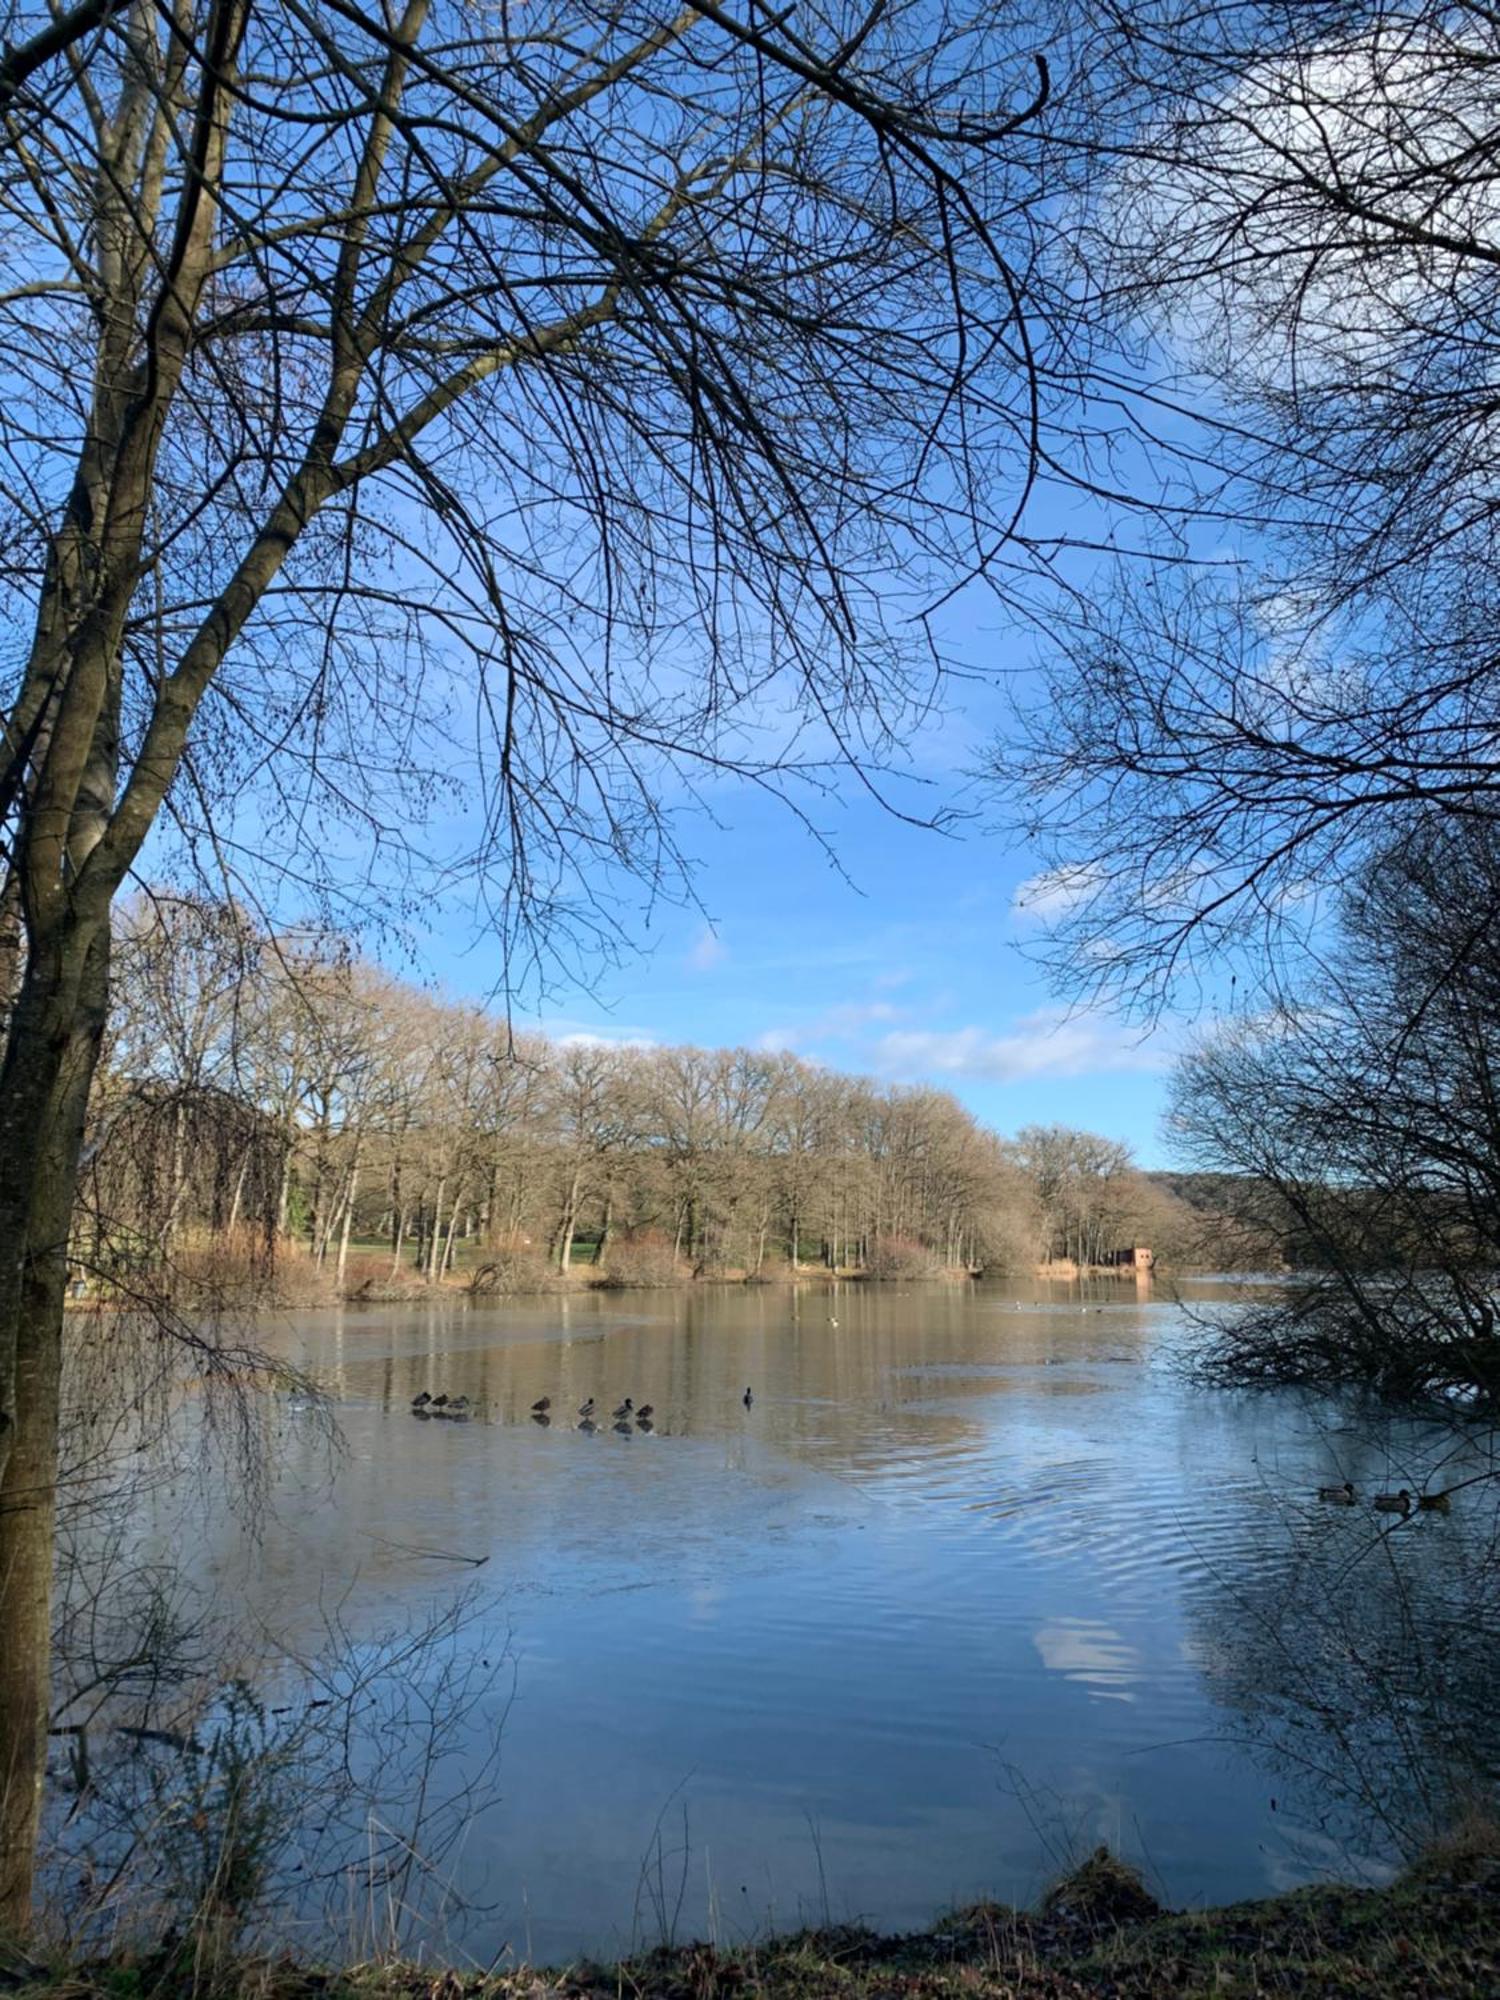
1433	1503
541	1406
439	1402
1393	1503
459	1403
623	1409
748	1398
1340	1496
586	1409
646	1412
421	1402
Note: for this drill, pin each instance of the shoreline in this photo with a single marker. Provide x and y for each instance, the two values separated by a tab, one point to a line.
459	1291
1098	1934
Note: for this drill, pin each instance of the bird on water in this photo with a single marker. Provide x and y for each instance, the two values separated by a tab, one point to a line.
1340	1496
586	1409
541	1406
646	1412
421	1402
624	1409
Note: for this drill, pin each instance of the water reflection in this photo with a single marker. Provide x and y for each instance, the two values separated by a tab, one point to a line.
958	1537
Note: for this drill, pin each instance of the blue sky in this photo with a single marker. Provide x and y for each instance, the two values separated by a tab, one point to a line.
913	969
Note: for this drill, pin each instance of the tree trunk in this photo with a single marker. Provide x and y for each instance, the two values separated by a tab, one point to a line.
437	1233
453	1221
51	1052
343	1262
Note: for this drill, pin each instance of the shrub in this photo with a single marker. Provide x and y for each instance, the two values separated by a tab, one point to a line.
645	1257
237	1269
369	1276
896	1257
512	1268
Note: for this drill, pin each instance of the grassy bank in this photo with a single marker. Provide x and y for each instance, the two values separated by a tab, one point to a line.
1098	1933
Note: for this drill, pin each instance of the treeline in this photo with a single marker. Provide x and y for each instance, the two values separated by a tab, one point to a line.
259	1092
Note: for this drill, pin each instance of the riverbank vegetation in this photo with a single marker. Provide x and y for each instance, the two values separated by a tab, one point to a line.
1363	1113
271	1112
1432	1935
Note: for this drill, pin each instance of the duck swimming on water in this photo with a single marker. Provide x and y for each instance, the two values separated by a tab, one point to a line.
421	1402
541	1406
1393	1503
586	1409
1339	1496
623	1409
646	1412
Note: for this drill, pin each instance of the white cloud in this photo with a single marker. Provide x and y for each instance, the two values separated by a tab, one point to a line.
1046	897
839	1023
592	1038
1050	1042
708	951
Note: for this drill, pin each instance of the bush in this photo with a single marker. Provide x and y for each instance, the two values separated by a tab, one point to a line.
644	1258
369	1277
237	1269
896	1257
515	1268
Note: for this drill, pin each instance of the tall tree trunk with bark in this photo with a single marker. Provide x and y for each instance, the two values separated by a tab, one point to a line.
51	1053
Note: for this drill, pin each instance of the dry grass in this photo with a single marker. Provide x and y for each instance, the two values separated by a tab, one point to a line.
1098	1936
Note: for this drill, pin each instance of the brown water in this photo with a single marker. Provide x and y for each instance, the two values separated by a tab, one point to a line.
977	1579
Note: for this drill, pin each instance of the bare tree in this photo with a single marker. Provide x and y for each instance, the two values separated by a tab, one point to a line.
418	407
1369	1117
1292	213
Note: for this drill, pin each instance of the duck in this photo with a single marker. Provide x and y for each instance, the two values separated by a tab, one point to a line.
1393	1503
541	1406
1340	1496
748	1398
1433	1503
586	1409
439	1402
624	1409
459	1403
421	1402
645	1413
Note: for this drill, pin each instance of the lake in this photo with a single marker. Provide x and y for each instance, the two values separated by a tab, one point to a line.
976	1581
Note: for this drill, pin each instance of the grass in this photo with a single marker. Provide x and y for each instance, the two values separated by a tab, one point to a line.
1098	1935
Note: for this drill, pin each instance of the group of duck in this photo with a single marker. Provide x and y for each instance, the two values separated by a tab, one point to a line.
626	1417
1386	1503
456	1408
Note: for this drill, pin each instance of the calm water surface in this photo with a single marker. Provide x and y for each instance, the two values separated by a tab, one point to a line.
973	1575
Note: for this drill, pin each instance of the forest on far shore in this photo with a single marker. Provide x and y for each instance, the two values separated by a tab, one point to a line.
274	1110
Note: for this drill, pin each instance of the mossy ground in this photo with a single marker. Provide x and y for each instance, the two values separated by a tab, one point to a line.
1435	1935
